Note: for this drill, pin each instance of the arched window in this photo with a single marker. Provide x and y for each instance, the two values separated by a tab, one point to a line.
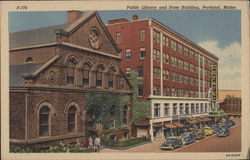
125	115
44	117
71	66
86	71
99	75
72	119
29	60
111	77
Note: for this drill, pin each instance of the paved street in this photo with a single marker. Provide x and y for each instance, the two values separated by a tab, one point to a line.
212	143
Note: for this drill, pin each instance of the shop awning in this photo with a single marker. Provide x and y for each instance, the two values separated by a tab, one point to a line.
178	124
169	125
206	119
157	125
192	121
142	123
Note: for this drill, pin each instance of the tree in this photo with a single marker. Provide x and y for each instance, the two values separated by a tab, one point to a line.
141	110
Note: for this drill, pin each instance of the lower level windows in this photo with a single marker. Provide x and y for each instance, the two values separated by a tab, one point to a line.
156	110
44	121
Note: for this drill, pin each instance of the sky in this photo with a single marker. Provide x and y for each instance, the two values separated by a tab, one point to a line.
219	32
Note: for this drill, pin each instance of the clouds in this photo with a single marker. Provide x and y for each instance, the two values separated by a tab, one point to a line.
229	63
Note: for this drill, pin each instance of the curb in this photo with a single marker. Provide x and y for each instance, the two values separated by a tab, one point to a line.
136	145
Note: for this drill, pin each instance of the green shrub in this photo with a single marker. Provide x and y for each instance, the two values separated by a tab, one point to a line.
129	142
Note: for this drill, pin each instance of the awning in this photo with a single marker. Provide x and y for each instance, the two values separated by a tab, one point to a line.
206	119
178	124
192	121
157	125
169	125
142	123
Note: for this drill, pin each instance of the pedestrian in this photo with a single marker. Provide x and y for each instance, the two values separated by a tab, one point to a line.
90	143
97	143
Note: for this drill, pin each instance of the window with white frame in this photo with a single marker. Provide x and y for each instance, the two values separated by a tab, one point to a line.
158	37
166	110
191	67
142	35
142	53
165	41
128	54
174	92
165	74
165	57
175	79
186	79
186	65
118	38
180	63
173	45
186	51
201	108
180	78
191	52
180	48
174	61
206	107
157	110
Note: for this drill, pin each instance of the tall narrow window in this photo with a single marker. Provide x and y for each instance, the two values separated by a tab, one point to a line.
125	115
118	38
112	116
71	65
128	54
142	35
44	121
142	53
140	71
99	75
111	77
72	119
156	110
86	71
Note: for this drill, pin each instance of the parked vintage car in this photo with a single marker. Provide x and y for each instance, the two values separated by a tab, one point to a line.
215	128
223	132
171	143
230	123
199	134
188	137
207	131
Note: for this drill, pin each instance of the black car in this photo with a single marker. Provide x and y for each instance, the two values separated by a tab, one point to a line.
171	143
223	132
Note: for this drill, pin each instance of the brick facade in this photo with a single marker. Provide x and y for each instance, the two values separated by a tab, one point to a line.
48	85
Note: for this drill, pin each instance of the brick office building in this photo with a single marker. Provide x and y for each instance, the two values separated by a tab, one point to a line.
51	71
231	106
176	74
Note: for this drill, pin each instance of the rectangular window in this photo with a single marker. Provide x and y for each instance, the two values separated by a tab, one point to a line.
192	109
158	55
173	45
180	63
142	35
191	52
142	53
186	51
156	110
186	79
196	56
175	77
174	92
157	37
140	90
118	38
180	48
181	109
197	108
140	71
165	74
174	61
186	66
111	80
180	78
187	108
156	90
191	67
99	79
201	108
154	35
174	109
128	54
166	109
165	41
128	72
165	58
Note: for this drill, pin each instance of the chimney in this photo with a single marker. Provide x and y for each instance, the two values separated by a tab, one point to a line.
73	15
135	17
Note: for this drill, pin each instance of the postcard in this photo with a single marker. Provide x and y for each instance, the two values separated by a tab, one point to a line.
125	80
